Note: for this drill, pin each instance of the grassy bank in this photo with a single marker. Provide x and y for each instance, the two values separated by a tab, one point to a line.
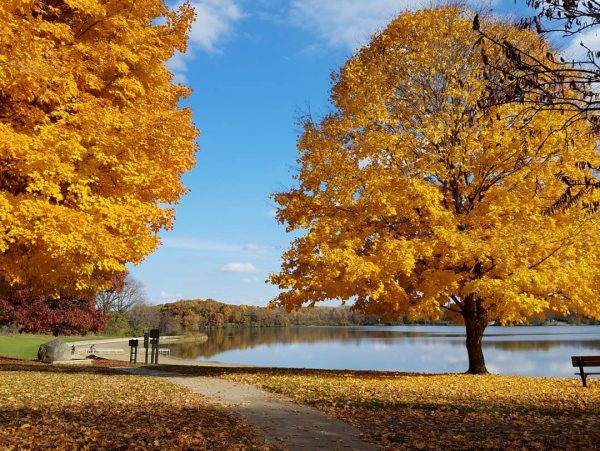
46	407
454	411
25	346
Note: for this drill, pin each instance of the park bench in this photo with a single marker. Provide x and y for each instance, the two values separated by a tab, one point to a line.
582	362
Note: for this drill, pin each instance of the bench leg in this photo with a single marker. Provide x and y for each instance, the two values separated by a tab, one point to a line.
584	379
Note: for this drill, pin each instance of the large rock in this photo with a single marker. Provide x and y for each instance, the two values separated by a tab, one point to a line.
54	350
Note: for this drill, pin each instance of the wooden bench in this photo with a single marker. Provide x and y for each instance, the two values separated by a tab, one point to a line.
582	362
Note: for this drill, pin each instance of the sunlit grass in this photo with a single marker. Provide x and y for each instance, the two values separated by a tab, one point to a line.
25	346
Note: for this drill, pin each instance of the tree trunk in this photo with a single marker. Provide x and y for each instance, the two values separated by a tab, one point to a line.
475	322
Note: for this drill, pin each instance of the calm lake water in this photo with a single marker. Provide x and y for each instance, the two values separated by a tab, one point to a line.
533	351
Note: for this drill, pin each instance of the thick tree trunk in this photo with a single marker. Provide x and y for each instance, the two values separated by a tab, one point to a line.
475	323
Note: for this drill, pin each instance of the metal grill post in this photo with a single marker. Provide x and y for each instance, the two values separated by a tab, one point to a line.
133	353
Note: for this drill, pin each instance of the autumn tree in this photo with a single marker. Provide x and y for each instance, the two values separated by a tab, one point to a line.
546	81
27	311
412	200
94	141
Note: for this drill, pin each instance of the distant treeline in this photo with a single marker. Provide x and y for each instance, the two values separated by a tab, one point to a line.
196	315
189	317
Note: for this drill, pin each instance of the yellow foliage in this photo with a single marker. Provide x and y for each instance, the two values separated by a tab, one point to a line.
409	195
93	140
411	411
49	407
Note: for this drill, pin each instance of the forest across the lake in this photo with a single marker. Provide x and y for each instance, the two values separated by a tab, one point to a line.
193	316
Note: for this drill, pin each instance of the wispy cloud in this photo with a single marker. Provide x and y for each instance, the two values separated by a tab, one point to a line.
178	66
347	23
213	26
199	245
170	296
238	267
350	23
250	280
213	246
256	249
590	38
272	213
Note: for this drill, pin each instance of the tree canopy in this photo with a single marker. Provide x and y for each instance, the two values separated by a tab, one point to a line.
411	199
93	140
30	312
567	83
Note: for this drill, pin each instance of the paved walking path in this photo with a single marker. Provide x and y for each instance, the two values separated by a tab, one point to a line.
283	423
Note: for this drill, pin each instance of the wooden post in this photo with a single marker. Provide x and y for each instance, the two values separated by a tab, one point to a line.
154	338
146	345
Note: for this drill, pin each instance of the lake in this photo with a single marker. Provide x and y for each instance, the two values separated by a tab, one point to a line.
532	351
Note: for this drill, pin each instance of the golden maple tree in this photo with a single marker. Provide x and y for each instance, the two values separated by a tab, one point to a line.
93	140
411	200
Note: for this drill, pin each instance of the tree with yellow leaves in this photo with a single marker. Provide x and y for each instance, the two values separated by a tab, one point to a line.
411	200
93	140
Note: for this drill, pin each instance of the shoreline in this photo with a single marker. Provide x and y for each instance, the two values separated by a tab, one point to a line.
123	345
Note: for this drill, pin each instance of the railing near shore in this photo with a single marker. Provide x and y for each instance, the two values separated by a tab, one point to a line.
100	351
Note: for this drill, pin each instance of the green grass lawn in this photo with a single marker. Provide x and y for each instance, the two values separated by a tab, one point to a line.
25	346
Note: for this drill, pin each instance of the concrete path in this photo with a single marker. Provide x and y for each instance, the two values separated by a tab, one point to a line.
123	345
284	423
165	339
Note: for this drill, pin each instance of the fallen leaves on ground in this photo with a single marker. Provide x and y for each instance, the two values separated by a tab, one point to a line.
400	411
45	407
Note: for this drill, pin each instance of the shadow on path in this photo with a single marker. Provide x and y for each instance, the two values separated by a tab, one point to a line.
284	423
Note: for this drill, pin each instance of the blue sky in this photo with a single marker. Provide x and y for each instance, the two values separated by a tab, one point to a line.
254	66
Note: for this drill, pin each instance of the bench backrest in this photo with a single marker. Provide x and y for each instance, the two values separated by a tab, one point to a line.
583	360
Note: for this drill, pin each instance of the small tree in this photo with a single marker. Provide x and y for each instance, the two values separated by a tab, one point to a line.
412	200
143	317
126	294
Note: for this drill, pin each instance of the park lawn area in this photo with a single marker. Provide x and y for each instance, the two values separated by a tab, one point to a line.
452	411
48	406
25	346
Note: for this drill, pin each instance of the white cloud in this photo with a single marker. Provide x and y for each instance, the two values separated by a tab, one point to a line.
238	267
590	38
350	23
214	23
347	23
213	26
214	246
255	248
178	65
199	245
167	295
249	280
272	213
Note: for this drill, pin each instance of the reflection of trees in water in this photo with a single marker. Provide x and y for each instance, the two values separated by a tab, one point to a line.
541	345
222	340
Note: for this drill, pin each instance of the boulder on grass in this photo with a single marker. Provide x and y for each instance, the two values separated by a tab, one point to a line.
54	350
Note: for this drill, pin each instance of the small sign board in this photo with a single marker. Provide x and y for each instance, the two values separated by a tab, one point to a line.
154	333
134	343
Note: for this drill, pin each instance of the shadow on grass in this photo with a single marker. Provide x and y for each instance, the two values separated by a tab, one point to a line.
8	364
215	371
414	428
107	425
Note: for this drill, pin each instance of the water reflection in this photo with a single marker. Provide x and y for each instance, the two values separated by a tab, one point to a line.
543	351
